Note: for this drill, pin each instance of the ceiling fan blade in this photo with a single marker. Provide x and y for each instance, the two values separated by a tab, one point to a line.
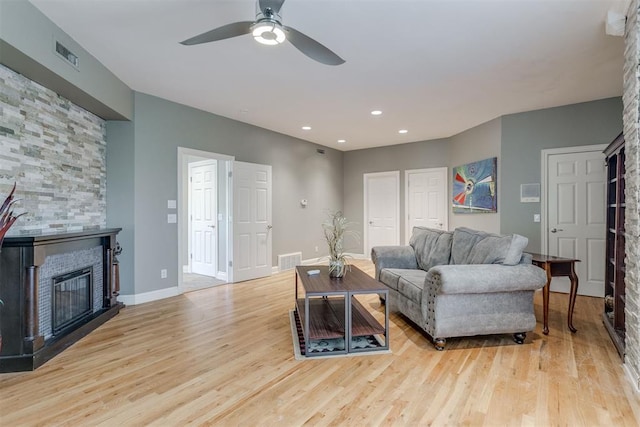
312	48
274	5
221	33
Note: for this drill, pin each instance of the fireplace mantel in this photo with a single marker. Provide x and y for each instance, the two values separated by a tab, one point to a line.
23	346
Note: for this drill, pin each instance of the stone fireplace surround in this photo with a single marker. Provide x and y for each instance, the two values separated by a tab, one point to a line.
28	263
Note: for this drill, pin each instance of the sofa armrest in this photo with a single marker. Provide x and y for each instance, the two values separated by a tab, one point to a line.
393	257
485	278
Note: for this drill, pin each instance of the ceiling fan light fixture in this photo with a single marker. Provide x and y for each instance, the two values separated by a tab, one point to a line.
268	32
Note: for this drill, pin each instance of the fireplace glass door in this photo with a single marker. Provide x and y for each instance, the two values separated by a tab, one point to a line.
72	298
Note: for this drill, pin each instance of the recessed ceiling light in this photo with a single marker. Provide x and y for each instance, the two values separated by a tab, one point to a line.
342	141
403	131
306	127
376	112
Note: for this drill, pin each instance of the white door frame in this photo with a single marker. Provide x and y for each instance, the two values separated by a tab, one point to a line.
366	176
183	227
445	224
544	191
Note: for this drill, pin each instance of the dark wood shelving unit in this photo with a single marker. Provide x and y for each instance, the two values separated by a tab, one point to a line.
614	289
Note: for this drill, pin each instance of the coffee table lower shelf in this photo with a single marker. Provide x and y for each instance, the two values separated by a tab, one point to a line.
327	329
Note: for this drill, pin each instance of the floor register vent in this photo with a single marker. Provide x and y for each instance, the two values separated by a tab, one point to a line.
289	261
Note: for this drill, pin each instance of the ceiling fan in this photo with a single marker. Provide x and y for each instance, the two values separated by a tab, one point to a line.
268	29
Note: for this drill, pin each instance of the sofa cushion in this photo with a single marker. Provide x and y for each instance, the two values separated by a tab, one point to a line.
390	276
432	246
477	247
411	284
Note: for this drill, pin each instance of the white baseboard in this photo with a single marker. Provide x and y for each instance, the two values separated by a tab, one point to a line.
563	284
149	296
222	275
323	260
316	261
312	261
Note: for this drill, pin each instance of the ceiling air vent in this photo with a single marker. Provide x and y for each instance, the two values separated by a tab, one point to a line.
67	55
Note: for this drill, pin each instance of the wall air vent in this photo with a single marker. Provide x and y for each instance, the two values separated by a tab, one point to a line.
67	55
289	261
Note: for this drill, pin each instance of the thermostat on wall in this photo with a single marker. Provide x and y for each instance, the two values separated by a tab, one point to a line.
529	193
303	203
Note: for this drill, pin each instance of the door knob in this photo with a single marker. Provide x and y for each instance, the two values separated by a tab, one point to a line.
370	222
555	230
211	226
269	227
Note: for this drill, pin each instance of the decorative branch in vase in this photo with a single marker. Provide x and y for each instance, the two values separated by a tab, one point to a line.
7	218
335	229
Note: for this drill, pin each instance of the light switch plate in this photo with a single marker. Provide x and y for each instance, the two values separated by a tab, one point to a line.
171	204
536	217
172	218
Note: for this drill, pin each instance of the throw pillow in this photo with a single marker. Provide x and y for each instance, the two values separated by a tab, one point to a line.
518	243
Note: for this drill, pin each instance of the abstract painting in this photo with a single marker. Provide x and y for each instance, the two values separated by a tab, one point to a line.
474	187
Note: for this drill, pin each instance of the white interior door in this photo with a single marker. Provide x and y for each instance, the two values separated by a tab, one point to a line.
251	221
204	235
576	216
381	209
425	199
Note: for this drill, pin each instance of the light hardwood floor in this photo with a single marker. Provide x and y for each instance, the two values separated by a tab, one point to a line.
223	356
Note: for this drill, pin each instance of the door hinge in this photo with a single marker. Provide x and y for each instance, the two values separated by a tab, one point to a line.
190	179
191	256
230	174
230	263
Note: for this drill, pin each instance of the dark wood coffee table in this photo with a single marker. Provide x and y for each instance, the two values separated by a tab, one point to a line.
323	314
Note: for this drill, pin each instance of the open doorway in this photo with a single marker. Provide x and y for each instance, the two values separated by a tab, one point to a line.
204	212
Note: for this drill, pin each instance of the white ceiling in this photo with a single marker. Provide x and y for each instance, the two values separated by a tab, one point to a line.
435	68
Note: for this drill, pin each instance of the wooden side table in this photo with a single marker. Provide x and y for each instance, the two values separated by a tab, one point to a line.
557	267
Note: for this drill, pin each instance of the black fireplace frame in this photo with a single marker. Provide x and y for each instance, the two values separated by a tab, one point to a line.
23	347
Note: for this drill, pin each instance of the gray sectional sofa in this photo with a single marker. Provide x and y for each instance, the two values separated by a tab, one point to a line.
461	283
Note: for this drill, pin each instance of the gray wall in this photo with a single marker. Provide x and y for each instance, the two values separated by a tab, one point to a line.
161	126
416	155
120	195
524	135
478	143
27	46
